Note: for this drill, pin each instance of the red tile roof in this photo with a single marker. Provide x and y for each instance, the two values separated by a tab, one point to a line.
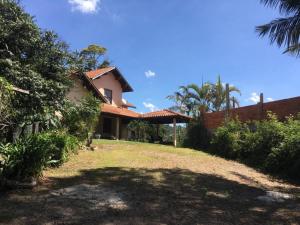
99	72
163	116
163	113
106	108
128	104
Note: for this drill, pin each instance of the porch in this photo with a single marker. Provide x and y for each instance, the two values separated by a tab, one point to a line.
114	121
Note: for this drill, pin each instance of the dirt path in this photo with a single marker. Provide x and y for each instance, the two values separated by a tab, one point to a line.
128	183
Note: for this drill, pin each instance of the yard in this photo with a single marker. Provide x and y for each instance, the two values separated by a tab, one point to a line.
135	183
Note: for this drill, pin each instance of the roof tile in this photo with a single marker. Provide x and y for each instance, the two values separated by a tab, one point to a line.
94	73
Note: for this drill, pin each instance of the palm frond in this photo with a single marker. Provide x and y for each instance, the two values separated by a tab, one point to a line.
283	31
285	6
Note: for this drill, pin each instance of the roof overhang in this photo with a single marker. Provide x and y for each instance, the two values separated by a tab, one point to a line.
89	84
159	117
165	116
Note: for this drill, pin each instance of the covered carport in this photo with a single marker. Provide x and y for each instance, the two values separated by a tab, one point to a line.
122	116
166	117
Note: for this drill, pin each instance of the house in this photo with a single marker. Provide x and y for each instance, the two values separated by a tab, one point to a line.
108	84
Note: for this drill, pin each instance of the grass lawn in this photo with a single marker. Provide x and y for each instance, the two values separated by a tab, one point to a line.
134	183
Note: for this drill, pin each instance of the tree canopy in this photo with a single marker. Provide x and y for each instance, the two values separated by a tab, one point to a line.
209	97
33	60
90	58
284	31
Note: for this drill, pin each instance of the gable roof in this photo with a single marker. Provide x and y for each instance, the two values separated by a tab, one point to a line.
165	116
95	74
88	83
99	72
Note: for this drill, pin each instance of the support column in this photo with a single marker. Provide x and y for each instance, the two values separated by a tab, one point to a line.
174	132
118	128
261	106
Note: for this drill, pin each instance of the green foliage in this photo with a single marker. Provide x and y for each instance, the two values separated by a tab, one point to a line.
218	95
195	100
283	31
81	119
258	144
285	156
139	130
33	60
90	58
226	140
145	132
60	146
270	145
6	111
29	156
196	136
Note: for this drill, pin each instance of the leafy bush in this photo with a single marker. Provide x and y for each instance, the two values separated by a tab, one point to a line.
196	136
29	156
25	159
285	157
257	144
60	146
6	111
81	119
226	140
270	144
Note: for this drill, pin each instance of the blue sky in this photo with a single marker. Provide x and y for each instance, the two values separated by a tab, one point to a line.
159	45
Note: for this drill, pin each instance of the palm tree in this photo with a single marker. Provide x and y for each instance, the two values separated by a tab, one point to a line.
201	97
182	101
218	96
284	31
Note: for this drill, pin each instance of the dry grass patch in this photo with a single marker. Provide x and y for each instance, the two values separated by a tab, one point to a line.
154	184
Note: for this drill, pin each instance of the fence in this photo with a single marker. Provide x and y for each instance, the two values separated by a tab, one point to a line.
282	108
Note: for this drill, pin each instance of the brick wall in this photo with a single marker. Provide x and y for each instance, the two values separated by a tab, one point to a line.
282	108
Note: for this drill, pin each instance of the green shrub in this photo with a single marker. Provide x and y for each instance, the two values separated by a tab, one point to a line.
30	156
226	140
285	157
27	158
6	110
81	119
258	144
270	145
196	136
61	145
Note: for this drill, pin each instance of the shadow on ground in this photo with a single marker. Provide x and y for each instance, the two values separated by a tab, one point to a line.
151	196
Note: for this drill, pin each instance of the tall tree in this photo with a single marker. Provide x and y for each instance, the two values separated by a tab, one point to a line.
91	58
218	95
181	98
33	60
200	96
284	31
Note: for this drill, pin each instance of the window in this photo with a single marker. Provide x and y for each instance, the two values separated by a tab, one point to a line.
108	95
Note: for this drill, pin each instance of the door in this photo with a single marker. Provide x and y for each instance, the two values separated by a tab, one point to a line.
107	126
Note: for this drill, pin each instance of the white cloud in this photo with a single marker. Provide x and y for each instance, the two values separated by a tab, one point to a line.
150	106
150	73
85	6
254	97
